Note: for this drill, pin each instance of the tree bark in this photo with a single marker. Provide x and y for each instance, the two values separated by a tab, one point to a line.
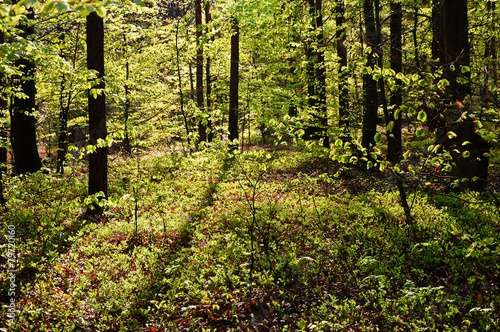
208	19
233	84
457	53
370	117
23	122
344	113
396	99
202	128
98	164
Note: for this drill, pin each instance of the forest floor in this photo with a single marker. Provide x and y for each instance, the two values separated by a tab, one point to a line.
262	240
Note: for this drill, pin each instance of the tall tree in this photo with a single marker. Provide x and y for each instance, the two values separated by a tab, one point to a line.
234	80
396	99
370	116
202	128
343	73
316	71
469	158
98	161
208	20
23	121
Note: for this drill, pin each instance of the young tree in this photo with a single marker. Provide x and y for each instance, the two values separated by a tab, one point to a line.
23	129
234	81
98	164
370	117
343	73
396	99
202	128
208	19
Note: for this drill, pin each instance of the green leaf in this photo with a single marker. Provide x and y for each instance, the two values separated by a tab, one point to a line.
377	137
390	126
422	116
466	154
397	114
451	135
101	11
420	132
407	154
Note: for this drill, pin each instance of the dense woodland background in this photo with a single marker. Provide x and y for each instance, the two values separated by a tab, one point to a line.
250	165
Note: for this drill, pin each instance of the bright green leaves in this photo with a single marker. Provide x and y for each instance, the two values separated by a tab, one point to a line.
422	116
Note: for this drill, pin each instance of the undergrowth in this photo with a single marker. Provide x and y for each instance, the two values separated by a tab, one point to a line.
246	241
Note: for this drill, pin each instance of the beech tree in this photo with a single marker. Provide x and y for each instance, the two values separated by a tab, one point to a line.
98	165
234	82
23	106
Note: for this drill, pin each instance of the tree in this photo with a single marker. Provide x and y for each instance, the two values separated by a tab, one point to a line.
343	73
395	150
467	147
23	120
202	128
98	165
208	19
234	82
370	117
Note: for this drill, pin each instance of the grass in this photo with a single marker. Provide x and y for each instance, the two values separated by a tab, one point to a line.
256	241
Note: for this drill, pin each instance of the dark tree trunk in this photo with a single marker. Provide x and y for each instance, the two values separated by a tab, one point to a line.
457	53
434	115
456	47
233	84
321	74
344	113
396	99
202	128
208	19
23	123
98	164
316	73
370	117
179	77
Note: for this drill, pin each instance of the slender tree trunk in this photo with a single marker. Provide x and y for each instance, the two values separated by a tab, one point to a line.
234	80
321	73
65	101
208	19
98	164
396	99
202	128
371	97
179	78
128	147
344	113
23	122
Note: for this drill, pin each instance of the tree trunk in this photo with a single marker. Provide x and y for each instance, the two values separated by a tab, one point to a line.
179	78
370	117
98	164
208	19
396	99
469	159
202	128
233	84
23	123
344	113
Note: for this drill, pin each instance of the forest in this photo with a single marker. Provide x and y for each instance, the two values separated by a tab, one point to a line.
249	165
